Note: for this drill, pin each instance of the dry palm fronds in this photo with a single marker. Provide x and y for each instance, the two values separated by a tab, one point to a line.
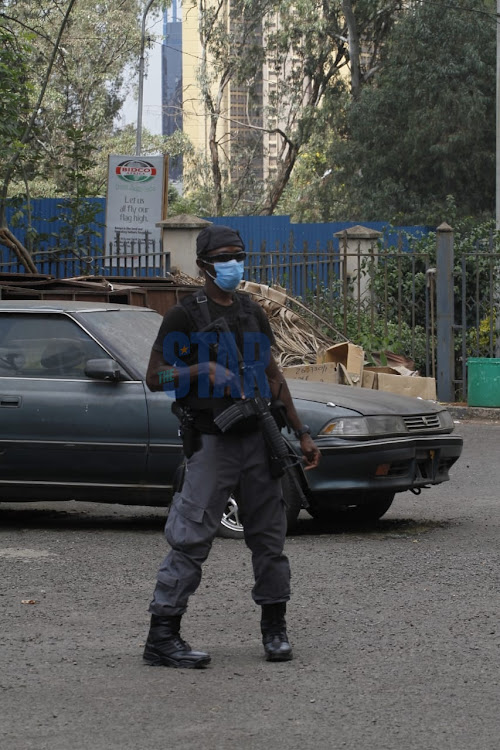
297	340
183	279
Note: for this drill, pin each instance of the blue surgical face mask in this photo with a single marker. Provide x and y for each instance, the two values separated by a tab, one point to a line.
228	275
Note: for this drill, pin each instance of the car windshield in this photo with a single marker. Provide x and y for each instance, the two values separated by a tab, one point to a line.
131	332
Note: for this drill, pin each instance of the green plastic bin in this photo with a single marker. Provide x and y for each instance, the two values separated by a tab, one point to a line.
483	381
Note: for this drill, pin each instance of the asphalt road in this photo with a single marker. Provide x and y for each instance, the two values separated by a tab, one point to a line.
395	630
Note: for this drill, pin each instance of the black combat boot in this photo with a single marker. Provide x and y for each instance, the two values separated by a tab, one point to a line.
274	636
165	647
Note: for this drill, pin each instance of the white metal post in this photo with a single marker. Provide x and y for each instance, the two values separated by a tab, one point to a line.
138	136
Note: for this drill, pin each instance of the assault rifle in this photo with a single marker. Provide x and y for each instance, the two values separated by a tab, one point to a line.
281	457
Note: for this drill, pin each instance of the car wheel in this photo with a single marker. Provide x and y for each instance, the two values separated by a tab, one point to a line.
231	526
377	504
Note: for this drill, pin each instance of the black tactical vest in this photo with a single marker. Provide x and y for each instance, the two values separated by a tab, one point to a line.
198	312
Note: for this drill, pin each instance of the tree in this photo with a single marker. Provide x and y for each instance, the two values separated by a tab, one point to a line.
18	144
303	48
14	91
73	71
324	38
14	114
69	87
232	54
85	87
424	134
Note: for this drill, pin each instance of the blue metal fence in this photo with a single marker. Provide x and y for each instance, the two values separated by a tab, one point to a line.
278	232
43	231
49	219
306	254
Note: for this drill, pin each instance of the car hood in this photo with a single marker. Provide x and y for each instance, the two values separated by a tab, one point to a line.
363	400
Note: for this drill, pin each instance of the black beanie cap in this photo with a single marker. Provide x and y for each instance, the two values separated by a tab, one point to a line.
215	236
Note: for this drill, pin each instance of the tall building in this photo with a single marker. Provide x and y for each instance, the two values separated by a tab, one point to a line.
246	149
171	77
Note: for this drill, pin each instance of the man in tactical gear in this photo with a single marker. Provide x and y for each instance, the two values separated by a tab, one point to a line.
217	462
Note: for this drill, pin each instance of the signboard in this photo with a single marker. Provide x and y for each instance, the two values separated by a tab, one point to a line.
135	203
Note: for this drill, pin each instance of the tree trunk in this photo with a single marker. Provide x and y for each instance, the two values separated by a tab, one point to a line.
354	51
214	160
8	239
280	181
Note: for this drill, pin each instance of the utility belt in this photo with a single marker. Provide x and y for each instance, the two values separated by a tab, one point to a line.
242	416
270	421
193	423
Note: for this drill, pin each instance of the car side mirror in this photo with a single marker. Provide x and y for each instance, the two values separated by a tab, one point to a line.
103	369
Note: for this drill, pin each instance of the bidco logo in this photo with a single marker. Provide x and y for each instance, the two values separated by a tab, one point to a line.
136	170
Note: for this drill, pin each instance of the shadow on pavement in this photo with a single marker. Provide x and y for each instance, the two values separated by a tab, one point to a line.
74	515
388	527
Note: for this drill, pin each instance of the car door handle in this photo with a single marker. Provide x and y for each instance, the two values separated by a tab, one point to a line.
10	401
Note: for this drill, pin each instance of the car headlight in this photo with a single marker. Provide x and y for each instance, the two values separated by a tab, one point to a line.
446	420
364	426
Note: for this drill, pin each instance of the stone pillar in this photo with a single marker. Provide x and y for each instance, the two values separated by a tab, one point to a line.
179	235
355	245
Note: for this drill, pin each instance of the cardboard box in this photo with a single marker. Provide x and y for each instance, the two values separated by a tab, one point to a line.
347	354
369	379
381	368
407	385
325	373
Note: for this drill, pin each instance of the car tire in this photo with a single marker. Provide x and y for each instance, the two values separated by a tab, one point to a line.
377	505
231	526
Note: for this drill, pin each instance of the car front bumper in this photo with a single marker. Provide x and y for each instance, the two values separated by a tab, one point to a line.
396	464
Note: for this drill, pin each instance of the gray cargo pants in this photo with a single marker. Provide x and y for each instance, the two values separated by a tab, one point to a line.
223	463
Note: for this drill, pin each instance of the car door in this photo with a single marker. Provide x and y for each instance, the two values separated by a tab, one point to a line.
56	424
165	447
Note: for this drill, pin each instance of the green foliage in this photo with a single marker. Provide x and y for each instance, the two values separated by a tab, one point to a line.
476	246
421	132
414	137
315	192
481	341
399	312
369	326
307	54
15	88
391	132
77	212
399	280
85	89
199	196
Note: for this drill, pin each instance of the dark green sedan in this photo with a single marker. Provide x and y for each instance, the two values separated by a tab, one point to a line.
78	422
